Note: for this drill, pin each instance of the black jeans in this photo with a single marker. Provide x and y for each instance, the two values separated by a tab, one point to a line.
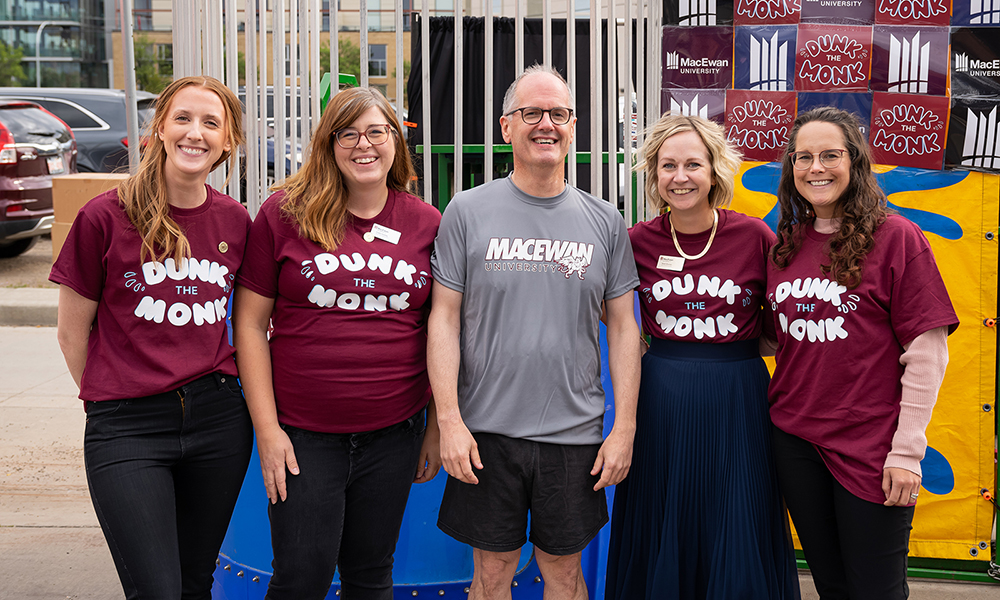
856	549
165	472
343	510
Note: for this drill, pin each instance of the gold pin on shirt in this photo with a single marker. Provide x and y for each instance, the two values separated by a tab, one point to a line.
369	237
223	247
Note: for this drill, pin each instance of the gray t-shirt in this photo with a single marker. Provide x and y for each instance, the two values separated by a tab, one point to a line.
533	272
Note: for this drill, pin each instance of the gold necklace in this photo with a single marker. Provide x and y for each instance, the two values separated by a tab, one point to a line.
673	234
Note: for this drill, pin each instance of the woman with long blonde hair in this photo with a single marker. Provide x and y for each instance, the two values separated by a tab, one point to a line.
339	265
145	276
699	516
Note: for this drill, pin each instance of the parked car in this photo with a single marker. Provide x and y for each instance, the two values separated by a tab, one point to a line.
97	117
34	146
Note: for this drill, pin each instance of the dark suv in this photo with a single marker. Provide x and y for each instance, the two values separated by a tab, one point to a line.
97	117
34	146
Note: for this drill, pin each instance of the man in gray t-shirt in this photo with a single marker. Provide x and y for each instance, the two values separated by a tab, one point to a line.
522	268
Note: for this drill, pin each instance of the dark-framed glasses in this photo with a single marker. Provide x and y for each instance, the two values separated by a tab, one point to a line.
830	159
375	134
531	115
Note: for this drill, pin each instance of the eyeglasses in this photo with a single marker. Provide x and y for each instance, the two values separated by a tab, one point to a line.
532	114
830	159
375	134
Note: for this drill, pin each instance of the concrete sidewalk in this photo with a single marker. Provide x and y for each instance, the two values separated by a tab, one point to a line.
28	306
51	547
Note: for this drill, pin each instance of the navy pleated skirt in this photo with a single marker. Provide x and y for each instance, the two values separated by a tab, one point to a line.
699	515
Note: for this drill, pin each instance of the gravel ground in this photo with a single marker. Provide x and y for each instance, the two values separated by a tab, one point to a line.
30	269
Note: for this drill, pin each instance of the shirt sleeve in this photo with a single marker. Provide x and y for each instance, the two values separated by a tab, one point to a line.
448	259
919	301
622	274
80	265
260	268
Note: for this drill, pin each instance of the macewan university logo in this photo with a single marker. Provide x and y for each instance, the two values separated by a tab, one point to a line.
710	104
765	58
911	60
977	68
975	12
982	139
696	13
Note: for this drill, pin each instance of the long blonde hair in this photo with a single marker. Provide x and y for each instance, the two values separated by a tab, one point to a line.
144	195
316	195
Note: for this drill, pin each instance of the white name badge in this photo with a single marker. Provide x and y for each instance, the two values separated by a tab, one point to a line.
384	233
670	263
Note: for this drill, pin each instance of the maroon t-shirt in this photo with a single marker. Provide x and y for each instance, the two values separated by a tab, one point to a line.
348	350
837	381
714	299
158	325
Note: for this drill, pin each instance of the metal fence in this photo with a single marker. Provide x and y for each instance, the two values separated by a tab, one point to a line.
208	35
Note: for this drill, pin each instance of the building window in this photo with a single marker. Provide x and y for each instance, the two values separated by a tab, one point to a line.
377	60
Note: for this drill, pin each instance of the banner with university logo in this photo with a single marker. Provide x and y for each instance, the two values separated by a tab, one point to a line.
975	61
975	13
710	104
913	12
758	122
697	13
698	57
833	58
859	104
974	134
766	12
847	12
908	130
765	58
912	60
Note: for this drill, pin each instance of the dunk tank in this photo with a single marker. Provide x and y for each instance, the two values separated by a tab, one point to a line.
925	79
427	562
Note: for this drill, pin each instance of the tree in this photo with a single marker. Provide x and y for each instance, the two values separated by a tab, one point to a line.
147	75
11	69
349	57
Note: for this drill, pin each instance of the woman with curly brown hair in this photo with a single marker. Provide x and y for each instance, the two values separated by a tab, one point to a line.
861	317
338	262
145	276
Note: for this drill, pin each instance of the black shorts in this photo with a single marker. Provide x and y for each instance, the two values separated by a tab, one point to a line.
551	481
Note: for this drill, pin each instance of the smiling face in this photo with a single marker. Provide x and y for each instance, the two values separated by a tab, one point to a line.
194	134
544	145
684	175
820	186
366	165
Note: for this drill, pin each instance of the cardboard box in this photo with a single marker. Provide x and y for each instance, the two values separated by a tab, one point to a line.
70	193
59	233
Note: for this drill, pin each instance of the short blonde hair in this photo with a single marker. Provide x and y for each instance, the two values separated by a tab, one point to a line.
724	157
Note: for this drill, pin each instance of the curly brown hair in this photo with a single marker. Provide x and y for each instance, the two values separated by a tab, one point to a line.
862	207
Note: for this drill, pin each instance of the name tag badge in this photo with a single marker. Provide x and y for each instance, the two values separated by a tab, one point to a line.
670	263
384	233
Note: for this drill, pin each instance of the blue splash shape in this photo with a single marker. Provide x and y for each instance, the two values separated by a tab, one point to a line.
938	478
764	178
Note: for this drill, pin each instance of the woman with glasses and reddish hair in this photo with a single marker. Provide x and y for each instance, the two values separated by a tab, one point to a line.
861	318
338	265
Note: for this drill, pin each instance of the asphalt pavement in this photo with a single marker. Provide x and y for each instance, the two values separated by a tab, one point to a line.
51	547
